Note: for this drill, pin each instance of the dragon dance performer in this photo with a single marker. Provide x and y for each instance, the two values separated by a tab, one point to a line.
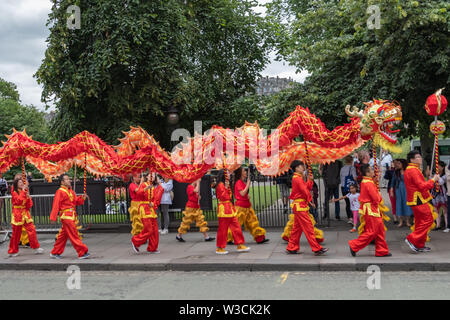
136	223
370	202
318	234
301	194
20	217
65	202
226	213
192	213
245	213
149	198
418	197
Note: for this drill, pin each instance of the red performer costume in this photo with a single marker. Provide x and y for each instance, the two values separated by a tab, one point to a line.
227	220
301	194
246	215
65	202
418	197
21	218
370	199
148	201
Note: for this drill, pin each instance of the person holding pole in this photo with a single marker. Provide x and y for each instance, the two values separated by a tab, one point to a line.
65	203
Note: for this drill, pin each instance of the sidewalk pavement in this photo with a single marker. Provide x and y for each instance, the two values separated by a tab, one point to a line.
113	252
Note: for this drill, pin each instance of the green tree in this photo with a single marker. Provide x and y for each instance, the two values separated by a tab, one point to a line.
18	116
132	61
406	60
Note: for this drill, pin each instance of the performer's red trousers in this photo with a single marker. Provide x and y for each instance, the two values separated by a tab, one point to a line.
302	223
69	231
149	233
393	203
17	232
222	231
423	219
373	230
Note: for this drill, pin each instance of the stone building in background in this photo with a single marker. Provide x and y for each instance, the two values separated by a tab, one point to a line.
268	85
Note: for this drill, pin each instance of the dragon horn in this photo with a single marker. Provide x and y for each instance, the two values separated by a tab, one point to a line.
354	112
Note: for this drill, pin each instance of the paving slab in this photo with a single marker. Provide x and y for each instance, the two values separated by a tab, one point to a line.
113	252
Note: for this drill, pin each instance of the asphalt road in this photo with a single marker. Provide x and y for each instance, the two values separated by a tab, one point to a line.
223	286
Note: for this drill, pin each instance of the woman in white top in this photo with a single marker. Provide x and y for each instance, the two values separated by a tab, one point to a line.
166	201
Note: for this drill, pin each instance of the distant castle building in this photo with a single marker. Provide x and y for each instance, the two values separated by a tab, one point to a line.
271	85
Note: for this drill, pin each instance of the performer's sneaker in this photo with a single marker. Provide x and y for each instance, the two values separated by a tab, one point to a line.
413	248
263	241
13	254
386	255
55	256
446	230
180	239
292	251
242	248
352	252
352	230
424	249
135	249
321	252
221	251
154	252
85	256
38	251
209	239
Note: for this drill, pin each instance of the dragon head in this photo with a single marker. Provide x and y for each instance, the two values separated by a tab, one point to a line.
377	121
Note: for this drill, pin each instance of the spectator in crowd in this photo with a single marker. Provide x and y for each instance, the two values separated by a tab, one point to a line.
440	197
363	158
352	196
283	182
389	176
3	186
29	177
447	180
166	201
402	210
348	177
331	176
315	196
386	162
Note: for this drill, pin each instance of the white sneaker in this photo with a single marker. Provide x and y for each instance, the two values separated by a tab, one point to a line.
446	230
165	231
38	251
13	254
160	231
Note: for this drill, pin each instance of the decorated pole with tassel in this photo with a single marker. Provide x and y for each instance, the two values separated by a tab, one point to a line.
375	160
85	173
24	177
308	163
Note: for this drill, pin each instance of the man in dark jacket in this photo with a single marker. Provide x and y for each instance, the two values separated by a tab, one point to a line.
331	177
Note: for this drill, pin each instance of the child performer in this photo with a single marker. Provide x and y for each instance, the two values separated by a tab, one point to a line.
65	202
245	213
21	204
301	194
193	213
227	217
150	198
370	199
353	196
